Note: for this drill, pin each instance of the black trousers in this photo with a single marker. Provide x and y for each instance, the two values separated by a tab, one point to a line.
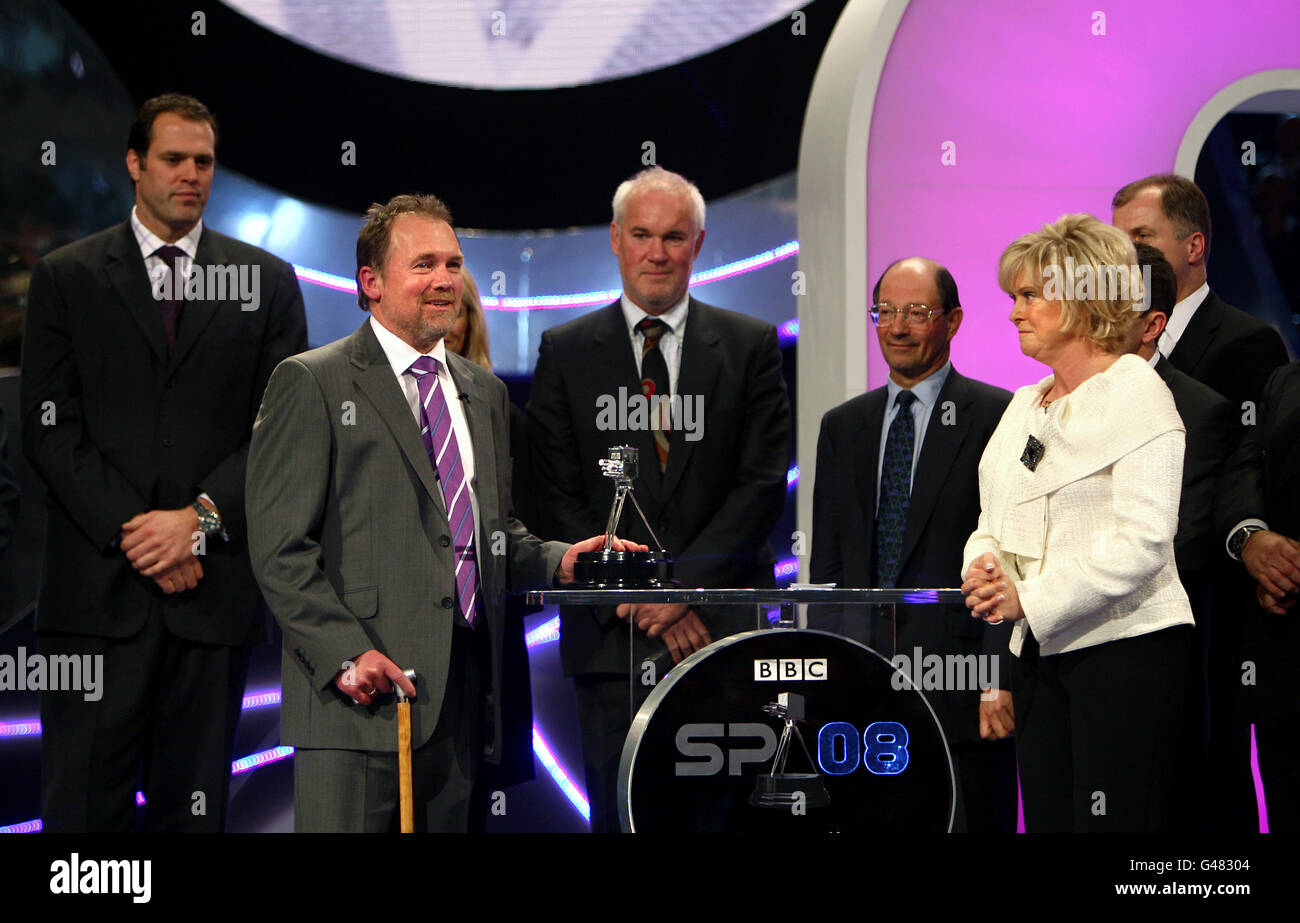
356	791
986	786
1097	732
605	707
165	723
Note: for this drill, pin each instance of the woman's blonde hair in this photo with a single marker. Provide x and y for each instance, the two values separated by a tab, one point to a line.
1079	253
476	348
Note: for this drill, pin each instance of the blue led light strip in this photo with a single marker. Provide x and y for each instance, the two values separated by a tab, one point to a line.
566	784
586	299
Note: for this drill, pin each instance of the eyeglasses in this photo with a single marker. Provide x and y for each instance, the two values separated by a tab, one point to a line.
917	315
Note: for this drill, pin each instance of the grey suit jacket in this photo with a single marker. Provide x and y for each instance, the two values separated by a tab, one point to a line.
350	544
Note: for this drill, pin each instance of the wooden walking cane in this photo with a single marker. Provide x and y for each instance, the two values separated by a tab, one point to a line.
405	795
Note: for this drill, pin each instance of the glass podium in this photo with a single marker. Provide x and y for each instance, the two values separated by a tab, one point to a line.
777	726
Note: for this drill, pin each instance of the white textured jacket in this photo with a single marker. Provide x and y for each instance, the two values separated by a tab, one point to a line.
1088	536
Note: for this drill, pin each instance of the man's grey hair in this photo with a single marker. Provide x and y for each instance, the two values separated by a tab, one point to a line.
664	180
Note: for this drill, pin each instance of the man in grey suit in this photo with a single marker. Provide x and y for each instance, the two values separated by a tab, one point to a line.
382	534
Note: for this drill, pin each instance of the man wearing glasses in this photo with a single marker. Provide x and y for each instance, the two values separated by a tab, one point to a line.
896	495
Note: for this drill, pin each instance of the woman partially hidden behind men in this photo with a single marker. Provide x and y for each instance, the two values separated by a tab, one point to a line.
1079	491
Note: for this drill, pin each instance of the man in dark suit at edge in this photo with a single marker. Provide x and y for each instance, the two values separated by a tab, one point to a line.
1232	353
1259	516
712	479
896	496
1213	432
140	383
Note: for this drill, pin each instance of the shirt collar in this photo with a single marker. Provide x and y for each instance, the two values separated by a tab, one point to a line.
1183	311
149	242
400	354
674	317
926	391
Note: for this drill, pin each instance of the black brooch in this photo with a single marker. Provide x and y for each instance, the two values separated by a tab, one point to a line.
1033	454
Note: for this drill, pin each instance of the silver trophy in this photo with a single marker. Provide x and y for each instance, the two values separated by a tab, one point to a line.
610	569
781	789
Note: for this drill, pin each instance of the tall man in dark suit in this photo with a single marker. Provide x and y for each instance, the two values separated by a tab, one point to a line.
1259	514
896	495
140	383
712	477
1213	432
1217	344
381	531
1232	353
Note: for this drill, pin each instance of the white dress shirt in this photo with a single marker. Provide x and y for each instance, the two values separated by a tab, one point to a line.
1180	317
400	356
156	266
670	341
927	395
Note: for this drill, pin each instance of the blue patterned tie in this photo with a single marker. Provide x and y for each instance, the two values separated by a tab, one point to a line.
440	442
895	491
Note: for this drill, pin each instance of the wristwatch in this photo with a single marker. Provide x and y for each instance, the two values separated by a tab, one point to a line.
1237	540
209	521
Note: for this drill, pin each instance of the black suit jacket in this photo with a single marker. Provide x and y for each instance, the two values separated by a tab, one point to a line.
1262	480
1213	432
942	513
20	565
1228	350
721	496
8	492
116	427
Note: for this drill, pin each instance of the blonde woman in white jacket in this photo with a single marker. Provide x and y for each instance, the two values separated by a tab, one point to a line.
1079	491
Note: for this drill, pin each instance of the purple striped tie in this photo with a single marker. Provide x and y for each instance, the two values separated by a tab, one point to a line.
440	442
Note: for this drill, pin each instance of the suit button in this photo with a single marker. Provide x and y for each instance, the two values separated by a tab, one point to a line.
170	385
168	442
444	540
447	602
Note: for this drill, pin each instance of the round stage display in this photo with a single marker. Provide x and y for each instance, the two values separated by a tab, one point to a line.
786	730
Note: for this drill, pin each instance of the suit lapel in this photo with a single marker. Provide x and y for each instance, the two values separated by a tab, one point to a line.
375	380
701	362
863	457
198	313
478	414
1197	337
938	451
126	273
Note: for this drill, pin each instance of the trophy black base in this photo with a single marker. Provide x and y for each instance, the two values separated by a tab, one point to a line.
623	570
783	790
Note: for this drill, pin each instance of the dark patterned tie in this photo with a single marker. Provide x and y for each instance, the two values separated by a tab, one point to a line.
440	442
170	308
895	491
654	380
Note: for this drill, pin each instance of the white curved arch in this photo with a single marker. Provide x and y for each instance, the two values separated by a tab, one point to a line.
1223	102
832	184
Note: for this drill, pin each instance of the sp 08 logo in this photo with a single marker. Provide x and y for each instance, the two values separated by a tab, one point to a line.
881	749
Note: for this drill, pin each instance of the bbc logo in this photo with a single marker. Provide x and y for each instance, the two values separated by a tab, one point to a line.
789	669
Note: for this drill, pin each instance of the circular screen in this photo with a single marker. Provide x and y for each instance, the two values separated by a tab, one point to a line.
499	45
786	730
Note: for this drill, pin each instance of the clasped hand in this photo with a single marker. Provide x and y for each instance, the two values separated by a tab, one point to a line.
990	593
159	544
